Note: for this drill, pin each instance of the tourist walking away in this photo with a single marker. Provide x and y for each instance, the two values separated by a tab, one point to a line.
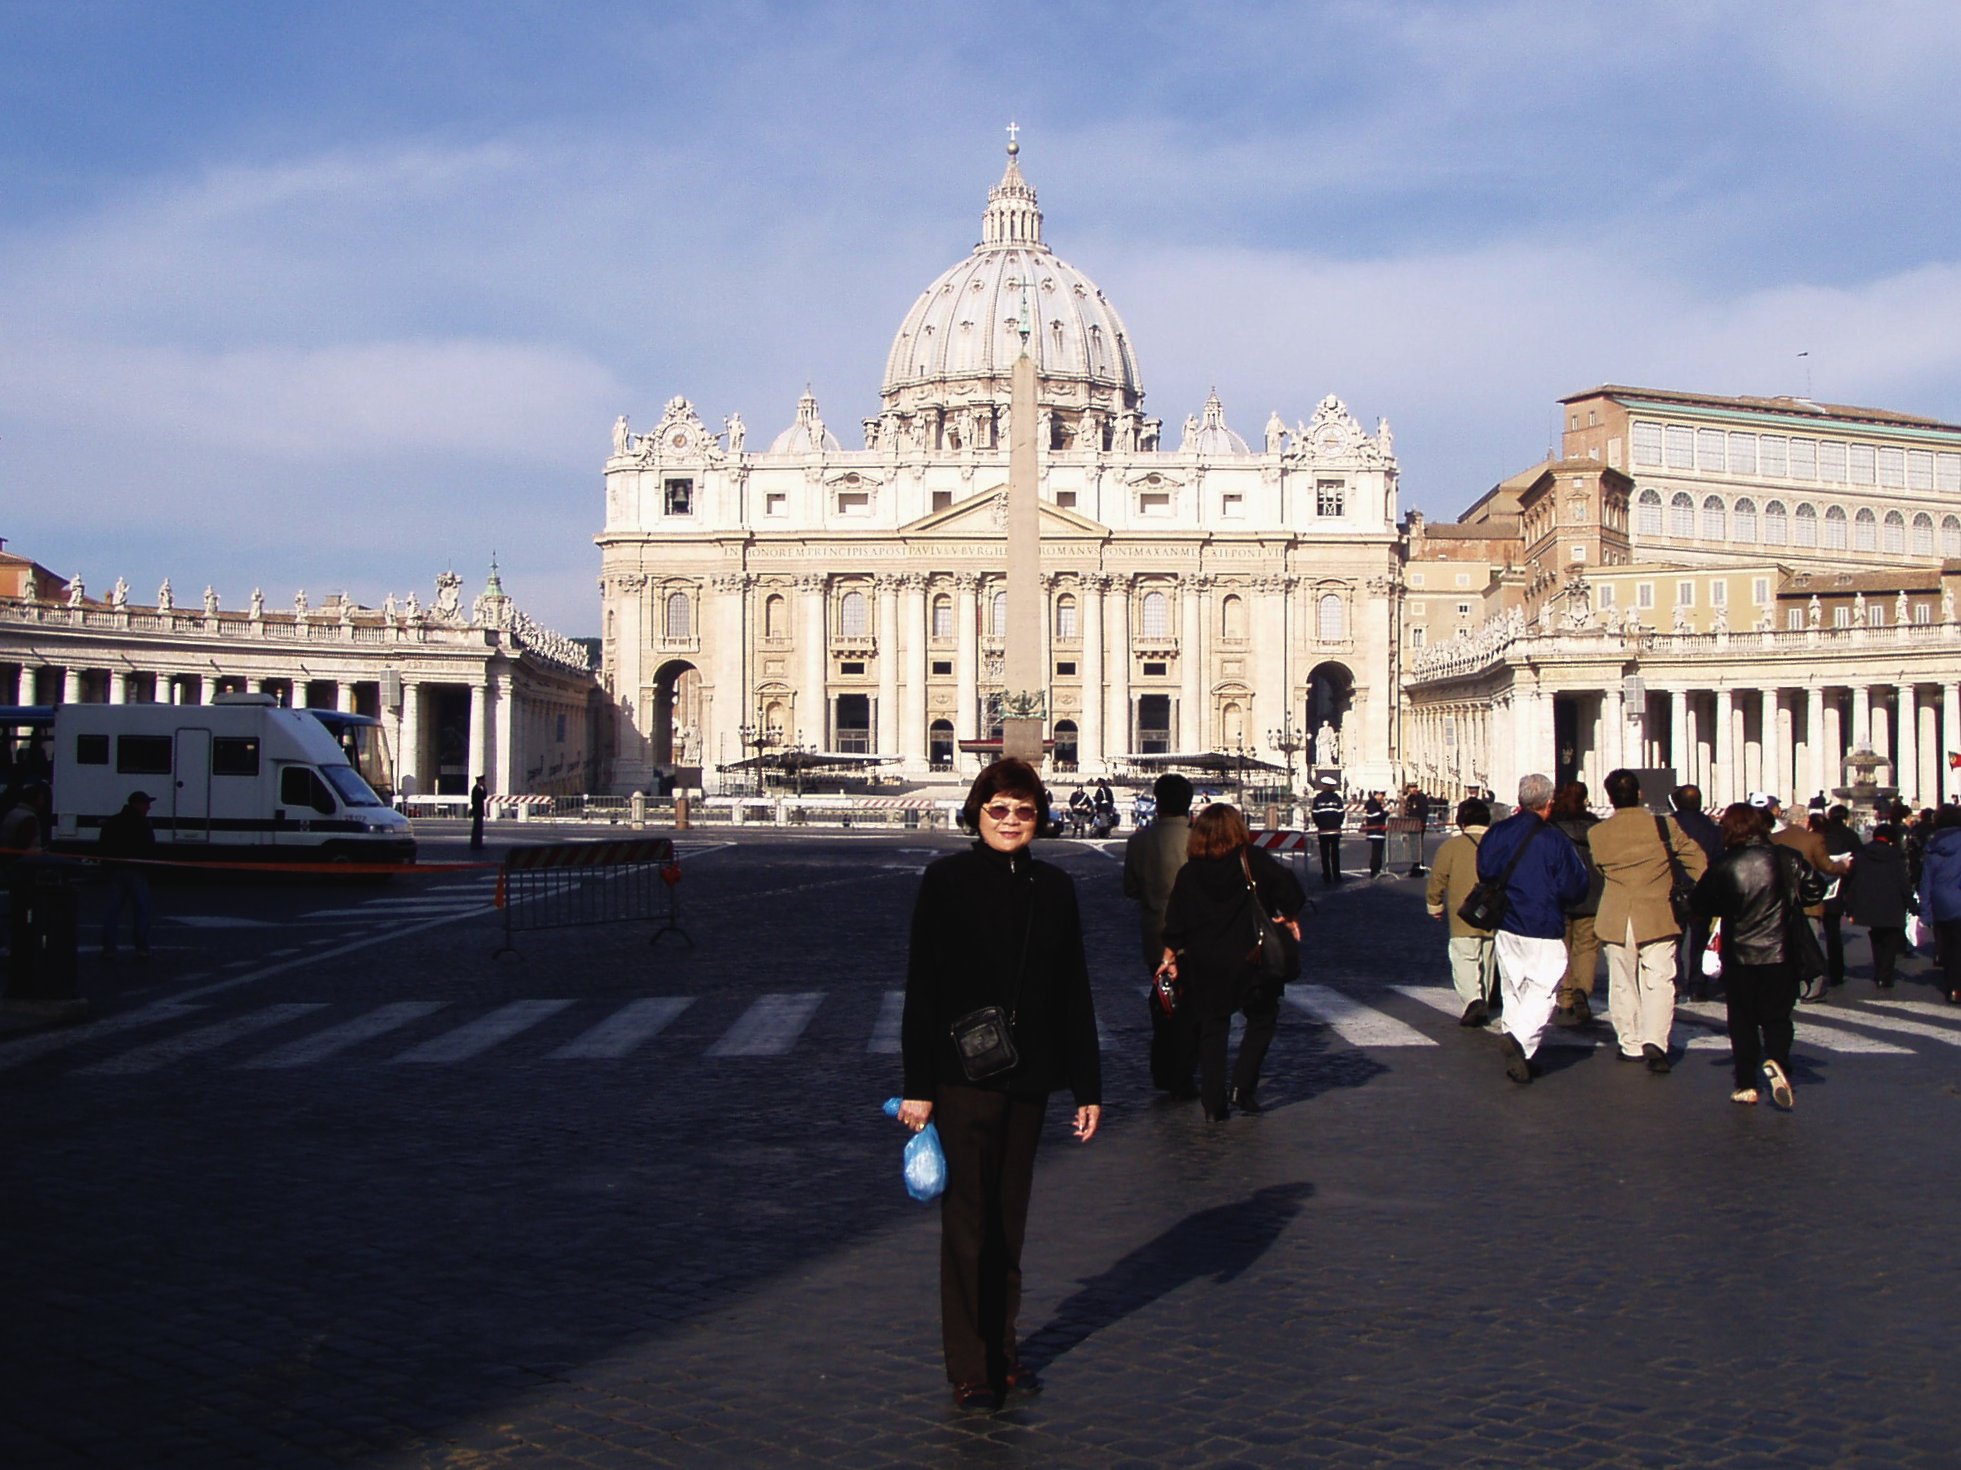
1572	815
1844	846
1701	830
1752	889
996	950
1810	846
1473	957
1542	876
1328	811
1224	905
1416	807
1151	860
1641	857
1879	895
479	799
1940	895
1375	827
128	839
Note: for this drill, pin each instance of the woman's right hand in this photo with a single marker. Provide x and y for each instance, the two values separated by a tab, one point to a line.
915	1114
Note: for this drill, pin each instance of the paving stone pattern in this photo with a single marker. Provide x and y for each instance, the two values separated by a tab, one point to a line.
677	1257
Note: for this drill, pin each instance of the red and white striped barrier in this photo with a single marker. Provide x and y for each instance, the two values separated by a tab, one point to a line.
1281	841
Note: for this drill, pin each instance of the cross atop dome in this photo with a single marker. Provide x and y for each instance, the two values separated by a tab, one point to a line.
1012	216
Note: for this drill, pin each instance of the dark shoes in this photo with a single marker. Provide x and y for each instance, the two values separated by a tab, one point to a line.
1021	1381
1657	1059
1247	1103
1217	1115
1518	1066
976	1398
1184	1093
1575	1012
1477	1013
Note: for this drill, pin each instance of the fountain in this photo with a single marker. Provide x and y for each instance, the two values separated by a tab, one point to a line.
1862	794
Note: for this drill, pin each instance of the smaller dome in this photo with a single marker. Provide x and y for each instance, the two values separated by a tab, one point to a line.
1209	434
808	434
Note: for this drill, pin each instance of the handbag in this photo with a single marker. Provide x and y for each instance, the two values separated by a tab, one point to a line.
984	1039
1276	954
1486	905
1680	886
1801	948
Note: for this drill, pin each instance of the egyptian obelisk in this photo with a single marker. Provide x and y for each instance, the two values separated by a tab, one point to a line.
1024	679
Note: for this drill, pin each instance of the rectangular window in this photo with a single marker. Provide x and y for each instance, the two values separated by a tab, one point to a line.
1920	469
1066	669
1681	447
1685	594
1719	594
1859	459
678	497
1416	579
1066	499
854	502
1154	502
1614	453
1709	450
1947	473
91	750
1154	670
942	500
1463	609
942	667
1841	617
1579	554
1831	461
1760	591
1923	612
143	755
235	756
1233	505
1644	594
1876	615
1463	579
1647	446
1743	454
1771	460
851	666
1328	497
1804	459
1607	594
775	502
1893	468
1416	637
1794	619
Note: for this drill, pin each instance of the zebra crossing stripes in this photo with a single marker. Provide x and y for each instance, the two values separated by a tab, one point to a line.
770	1026
1946	1035
335	1039
1823	1038
1353	1022
476	1037
885	1034
623	1032
26	1048
157	1054
1446	1000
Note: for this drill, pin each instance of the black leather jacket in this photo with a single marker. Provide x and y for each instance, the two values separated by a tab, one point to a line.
1747	891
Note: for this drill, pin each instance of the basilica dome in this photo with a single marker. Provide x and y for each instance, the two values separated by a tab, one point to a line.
955	347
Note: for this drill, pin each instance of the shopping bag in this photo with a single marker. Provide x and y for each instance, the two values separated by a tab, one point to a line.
1712	952
1916	931
924	1163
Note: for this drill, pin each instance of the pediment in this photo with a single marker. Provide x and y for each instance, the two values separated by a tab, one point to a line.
986	514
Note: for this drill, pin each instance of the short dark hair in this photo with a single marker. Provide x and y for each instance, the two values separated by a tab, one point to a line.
1950	816
1740	822
1686	798
1217	831
1839	814
1570	800
1174	794
1015	778
1885	832
1471	812
1623	788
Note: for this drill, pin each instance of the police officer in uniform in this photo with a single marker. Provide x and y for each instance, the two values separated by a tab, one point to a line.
1375	827
1328	812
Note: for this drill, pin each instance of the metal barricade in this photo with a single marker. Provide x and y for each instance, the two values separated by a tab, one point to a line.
564	884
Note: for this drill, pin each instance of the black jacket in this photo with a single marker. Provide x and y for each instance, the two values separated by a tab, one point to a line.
128	834
1878	891
1750	888
968	923
1328	811
1576	829
1211	923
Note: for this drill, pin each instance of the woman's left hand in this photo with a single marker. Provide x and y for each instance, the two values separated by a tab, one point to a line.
1086	1120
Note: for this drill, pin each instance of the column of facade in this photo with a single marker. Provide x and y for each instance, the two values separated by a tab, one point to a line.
1723	788
912	712
1612	725
1773	773
813	639
966	656
345	692
1861	717
501	762
408	741
1907	774
479	732
1882	743
1191	713
1089	727
1950	736
887	734
71	685
1927	781
1679	753
1817	777
1117	737
299	691
1747	771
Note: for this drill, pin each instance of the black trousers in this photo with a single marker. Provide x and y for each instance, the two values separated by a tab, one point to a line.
990	1140
1760	999
1174	1046
1834	944
1262	1019
1947	935
1330	856
1888	944
1377	846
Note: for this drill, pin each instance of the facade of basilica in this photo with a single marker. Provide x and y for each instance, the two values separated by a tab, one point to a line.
1199	593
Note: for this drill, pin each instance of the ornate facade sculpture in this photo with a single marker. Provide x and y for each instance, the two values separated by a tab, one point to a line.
210	601
164	602
119	594
75	592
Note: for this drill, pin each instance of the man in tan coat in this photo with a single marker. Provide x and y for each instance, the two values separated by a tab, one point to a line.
1473	956
1636	925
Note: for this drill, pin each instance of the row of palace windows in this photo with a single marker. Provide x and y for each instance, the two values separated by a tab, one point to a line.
1716	520
1778	457
853	616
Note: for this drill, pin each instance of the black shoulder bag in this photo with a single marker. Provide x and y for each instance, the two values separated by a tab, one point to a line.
1801	947
1276	954
985	1039
1486	905
1679	887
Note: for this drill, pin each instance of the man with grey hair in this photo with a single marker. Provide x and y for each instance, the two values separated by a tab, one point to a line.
1543	875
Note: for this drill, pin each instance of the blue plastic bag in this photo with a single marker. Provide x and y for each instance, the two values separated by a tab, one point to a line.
925	1161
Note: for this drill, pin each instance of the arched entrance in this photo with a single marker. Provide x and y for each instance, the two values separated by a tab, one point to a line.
1330	693
674	730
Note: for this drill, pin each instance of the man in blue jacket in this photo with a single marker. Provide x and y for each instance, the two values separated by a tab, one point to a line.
1546	879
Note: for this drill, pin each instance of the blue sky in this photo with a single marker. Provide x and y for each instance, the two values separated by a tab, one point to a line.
338	295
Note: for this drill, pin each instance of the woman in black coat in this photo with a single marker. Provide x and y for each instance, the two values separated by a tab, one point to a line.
992	926
1879	894
1210	930
1752	888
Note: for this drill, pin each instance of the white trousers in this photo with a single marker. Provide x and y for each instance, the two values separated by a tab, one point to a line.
1529	970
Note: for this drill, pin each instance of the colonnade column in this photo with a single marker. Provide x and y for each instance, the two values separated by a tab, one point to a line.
1117	732
1190	713
813	712
503	765
966	657
1882	744
1613	732
408	752
912	714
1722	754
346	695
1906	775
1927	780
118	687
71	685
1815	776
1773	766
1950	780
1679	754
1861	716
1089	727
887	737
479	730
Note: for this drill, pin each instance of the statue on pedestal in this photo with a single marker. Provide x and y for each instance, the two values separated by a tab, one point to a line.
164	601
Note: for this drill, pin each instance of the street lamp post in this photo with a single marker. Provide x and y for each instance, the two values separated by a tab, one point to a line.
1285	739
759	738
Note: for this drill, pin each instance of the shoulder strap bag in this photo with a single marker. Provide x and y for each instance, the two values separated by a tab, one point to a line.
1679	887
1486	905
1275	954
1801	947
984	1039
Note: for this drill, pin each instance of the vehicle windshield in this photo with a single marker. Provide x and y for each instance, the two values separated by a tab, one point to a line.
353	791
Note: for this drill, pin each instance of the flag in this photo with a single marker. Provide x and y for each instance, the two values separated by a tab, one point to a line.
1954	760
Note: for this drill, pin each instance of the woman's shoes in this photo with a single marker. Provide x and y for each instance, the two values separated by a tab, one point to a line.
1021	1379
1745	1095
1954	997
976	1398
1247	1103
1780	1086
1218	1115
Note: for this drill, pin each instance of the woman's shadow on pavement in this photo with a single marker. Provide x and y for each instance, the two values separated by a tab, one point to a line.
1220	1242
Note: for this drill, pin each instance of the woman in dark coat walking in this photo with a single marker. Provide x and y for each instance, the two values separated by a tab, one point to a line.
1879	894
1210	929
994	927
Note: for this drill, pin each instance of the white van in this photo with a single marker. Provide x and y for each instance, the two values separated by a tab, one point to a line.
239	777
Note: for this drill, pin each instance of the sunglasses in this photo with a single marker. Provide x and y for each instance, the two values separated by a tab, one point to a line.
1000	811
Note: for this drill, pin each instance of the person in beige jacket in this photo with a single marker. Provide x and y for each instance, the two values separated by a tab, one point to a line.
1473	957
1635	923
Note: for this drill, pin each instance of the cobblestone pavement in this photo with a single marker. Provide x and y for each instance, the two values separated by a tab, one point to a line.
369	1196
